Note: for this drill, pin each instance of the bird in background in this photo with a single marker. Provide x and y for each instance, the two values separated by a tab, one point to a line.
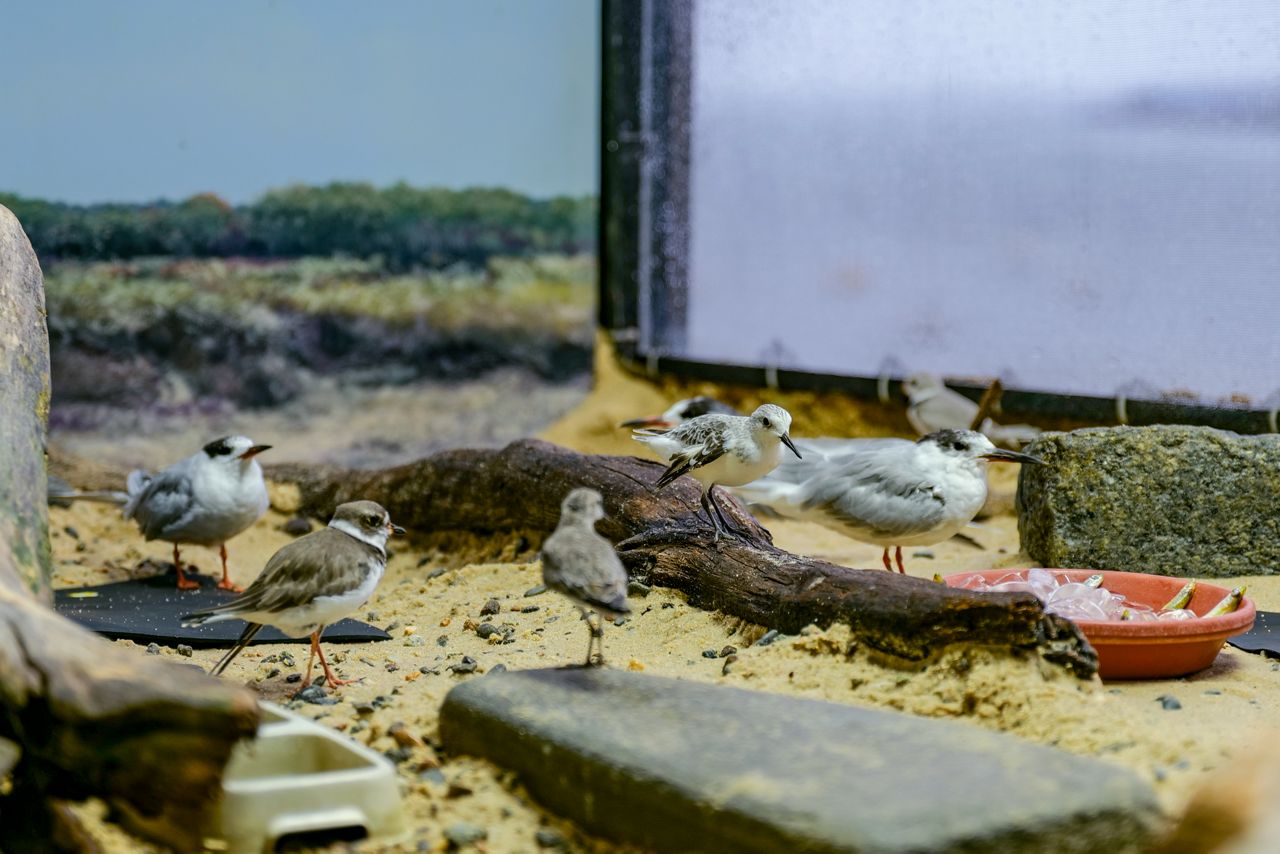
725	450
890	492
935	407
203	500
312	582
581	565
682	411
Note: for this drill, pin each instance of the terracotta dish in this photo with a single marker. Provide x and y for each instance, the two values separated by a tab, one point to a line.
1153	649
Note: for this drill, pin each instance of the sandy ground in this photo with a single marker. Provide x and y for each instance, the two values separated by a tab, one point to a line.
431	606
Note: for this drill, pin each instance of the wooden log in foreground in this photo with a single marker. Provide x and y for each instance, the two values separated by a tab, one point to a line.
89	719
664	539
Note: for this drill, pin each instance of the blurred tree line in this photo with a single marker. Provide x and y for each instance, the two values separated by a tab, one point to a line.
406	226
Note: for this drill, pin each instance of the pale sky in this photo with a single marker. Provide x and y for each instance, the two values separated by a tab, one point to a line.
145	99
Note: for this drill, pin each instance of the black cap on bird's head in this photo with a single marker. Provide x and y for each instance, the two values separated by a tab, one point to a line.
234	447
974	445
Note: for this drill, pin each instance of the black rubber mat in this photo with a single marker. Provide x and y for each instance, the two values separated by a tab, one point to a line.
149	610
1264	637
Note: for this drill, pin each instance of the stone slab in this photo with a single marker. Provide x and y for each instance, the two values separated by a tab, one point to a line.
1170	499
684	766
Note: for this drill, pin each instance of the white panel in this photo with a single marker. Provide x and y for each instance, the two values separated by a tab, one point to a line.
1078	197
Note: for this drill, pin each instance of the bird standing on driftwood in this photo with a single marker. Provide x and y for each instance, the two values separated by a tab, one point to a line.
727	450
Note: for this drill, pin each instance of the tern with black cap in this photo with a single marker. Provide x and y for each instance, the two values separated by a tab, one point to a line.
890	492
203	500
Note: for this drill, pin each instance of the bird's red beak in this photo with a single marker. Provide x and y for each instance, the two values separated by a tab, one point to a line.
254	451
657	422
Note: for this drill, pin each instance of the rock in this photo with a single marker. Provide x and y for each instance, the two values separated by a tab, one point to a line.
638	589
293	677
24	409
433	775
297	526
728	651
1169	703
493	606
536	591
400	733
768	638
1178	500
185	650
463	833
486	630
717	775
153	649
316	696
414	640
549	837
466	665
710	653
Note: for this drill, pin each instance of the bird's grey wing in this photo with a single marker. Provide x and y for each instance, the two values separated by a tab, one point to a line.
586	566
299	572
703	440
824	454
869	491
163	504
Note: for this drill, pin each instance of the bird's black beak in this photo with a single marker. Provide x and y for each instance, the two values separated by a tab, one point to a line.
1000	455
254	451
395	529
786	440
656	422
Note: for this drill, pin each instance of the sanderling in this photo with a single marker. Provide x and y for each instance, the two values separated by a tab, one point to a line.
204	500
890	492
582	565
316	580
727	450
935	407
682	411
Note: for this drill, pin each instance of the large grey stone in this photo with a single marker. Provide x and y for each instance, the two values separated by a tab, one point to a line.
24	410
1177	500
684	766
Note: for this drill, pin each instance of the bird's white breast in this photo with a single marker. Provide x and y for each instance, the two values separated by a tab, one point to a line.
324	610
226	501
741	464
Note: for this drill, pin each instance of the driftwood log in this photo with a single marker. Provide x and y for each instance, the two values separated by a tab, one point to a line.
664	539
88	718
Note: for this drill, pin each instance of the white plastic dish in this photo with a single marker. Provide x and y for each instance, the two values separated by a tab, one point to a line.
299	777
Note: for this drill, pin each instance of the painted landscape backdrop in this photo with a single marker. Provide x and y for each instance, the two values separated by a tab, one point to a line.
345	322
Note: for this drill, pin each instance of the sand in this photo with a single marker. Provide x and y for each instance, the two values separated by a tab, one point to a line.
431	601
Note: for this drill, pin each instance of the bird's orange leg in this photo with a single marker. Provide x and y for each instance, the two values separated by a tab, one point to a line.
888	564
311	659
898	554
333	681
225	583
184	583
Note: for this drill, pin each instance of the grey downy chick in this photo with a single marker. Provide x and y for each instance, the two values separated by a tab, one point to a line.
582	565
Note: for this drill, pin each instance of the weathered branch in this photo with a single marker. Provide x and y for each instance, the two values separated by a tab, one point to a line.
664	539
148	736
